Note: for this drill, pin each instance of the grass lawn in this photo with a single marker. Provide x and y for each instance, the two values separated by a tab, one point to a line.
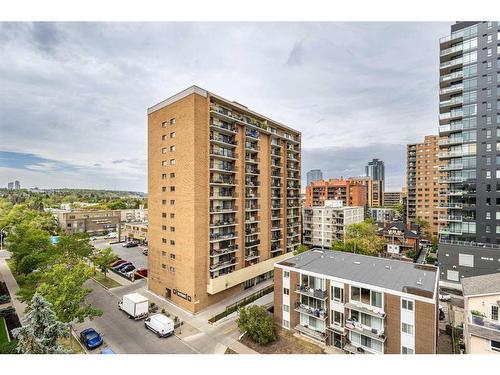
75	346
3	331
286	343
106	281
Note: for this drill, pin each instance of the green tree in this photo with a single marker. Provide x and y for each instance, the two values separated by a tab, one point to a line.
29	246
73	248
41	331
423	226
301	249
257	323
104	260
361	238
63	287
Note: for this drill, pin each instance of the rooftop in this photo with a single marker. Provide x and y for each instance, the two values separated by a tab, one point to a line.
484	284
385	273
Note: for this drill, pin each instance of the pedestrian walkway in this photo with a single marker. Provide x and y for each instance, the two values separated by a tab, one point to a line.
13	287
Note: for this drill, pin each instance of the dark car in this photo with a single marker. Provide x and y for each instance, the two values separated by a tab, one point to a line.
130	244
129	268
121	266
90	338
441	314
141	273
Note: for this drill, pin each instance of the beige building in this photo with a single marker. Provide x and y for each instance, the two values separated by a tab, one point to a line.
223	197
374	190
357	303
137	231
94	222
426	190
134	215
482	317
323	225
392	198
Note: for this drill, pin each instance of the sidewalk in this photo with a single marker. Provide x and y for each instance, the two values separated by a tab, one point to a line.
13	288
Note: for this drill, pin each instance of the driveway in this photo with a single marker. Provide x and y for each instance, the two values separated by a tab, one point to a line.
124	335
131	254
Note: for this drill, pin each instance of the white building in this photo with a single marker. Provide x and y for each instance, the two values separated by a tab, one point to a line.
134	215
323	225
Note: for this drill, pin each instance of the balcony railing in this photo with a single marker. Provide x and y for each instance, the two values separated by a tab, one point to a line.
311	292
321	336
367	331
320	314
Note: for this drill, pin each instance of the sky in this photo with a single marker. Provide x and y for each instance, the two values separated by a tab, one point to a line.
74	96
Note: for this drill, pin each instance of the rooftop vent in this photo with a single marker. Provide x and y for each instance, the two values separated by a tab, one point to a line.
387	267
419	282
357	262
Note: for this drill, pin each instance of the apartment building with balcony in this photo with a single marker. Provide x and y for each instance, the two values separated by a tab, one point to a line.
223	197
323	225
469	123
358	303
349	191
482	314
392	198
425	175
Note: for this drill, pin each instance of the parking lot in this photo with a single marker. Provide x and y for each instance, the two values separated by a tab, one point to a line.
131	254
124	335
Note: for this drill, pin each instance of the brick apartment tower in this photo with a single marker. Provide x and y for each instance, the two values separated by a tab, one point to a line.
424	177
352	193
224	197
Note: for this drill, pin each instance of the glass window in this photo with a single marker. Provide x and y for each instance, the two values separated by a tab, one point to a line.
495	345
286	291
286	324
407	328
338	294
376	299
286	274
406	304
365	296
286	308
494	312
405	350
355	293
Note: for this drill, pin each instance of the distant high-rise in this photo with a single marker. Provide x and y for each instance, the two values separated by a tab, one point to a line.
17	185
314	175
376	170
469	120
10	186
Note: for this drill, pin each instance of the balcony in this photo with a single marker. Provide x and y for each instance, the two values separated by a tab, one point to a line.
220	252
353	349
373	333
252	255
451	89
450	218
367	309
252	171
457	49
446	117
217	237
221	265
222	168
222	196
223	140
252	243
224	127
452	76
252	134
222	181
451	102
311	292
483	327
451	167
223	154
320	314
317	335
451	63
450	231
222	223
456	206
221	209
451	180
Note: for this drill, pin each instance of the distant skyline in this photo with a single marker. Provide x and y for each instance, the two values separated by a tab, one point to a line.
73	96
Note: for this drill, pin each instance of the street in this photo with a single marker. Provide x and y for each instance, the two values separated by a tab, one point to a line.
122	334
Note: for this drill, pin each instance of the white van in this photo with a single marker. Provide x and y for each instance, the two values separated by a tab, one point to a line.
160	324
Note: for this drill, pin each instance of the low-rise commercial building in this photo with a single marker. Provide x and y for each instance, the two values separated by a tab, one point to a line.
137	231
93	222
324	225
358	303
482	307
134	215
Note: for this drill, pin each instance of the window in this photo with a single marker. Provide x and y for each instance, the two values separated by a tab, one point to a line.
163	253
163	227
355	293
164	240
376	299
164	201
172	269
164	124
338	318
164	214
172	188
164	188
164	176
494	312
172	161
172	121
172	202
495	345
338	294
163	137
164	266
172	135
172	256
407	304
407	328
286	308
172	216
172	229
172	148
452	275
164	163
286	291
172	175
286	324
405	350
172	242
164	150
286	274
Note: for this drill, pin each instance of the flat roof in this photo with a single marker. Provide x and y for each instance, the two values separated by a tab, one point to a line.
396	275
484	284
205	93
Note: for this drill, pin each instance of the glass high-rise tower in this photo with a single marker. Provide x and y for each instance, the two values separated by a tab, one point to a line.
469	121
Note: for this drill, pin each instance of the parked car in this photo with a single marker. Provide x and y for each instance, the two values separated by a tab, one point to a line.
122	266
129	273
93	238
130	244
145	252
127	269
90	338
141	272
117	263
111	235
444	296
160	324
